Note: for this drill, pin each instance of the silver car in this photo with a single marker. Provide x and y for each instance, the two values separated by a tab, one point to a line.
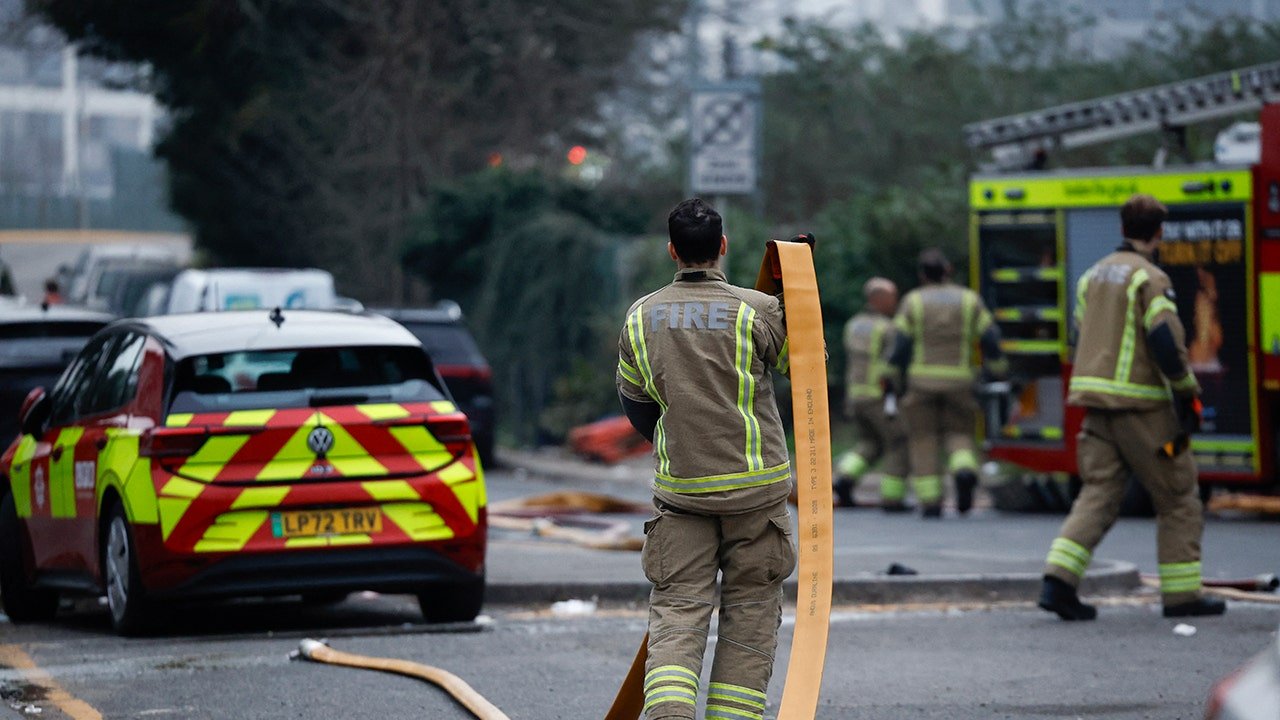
1252	692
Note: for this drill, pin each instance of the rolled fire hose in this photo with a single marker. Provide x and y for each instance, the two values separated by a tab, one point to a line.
812	472
457	688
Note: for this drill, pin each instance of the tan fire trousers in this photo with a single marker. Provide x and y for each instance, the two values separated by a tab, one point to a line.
939	420
881	438
1113	444
683	552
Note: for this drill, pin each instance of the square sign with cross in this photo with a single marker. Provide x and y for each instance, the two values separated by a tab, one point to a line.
724	123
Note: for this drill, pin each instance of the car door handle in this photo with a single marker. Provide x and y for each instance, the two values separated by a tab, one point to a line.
57	452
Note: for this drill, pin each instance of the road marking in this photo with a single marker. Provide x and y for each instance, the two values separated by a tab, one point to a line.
15	657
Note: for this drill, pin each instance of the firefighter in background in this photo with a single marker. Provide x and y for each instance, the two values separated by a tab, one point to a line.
693	375
938	326
869	400
1132	376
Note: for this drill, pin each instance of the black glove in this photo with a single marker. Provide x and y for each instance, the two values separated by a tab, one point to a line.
804	238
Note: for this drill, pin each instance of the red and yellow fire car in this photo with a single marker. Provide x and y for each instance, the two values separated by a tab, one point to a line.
243	454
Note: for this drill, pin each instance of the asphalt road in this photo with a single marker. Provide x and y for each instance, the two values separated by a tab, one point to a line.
1012	662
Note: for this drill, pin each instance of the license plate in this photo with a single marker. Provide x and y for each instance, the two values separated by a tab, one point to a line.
312	523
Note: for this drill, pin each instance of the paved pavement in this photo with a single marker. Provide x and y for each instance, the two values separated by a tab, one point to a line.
930	663
987	555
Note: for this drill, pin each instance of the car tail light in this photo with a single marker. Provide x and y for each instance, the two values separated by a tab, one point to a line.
172	442
482	373
452	430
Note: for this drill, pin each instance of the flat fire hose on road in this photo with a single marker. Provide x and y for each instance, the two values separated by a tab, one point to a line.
457	688
792	263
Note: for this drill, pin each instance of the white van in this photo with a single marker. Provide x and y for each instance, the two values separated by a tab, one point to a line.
246	289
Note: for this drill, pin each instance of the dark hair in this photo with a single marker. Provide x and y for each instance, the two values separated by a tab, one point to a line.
933	265
1141	217
695	229
51	286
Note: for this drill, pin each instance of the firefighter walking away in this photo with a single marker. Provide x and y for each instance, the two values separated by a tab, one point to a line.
694	366
1141	404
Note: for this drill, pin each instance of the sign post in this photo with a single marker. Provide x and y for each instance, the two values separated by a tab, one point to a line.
724	143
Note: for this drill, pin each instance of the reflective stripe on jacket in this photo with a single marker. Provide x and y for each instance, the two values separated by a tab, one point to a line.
943	322
1118	302
702	349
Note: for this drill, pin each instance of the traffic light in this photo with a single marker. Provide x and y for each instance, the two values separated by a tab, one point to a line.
576	155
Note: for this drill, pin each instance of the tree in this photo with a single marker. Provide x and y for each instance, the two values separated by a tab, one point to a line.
310	133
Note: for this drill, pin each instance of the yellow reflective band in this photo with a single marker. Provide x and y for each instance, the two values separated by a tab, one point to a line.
426	450
736	693
139	495
675	670
784	358
941	371
917	328
667	697
306	542
385	490
183	488
743	346
1107	386
1081	288
255	418
635	331
418	520
444	407
1124	364
1180	577
629	376
178	419
383	411
348	456
734	481
962	460
1186	382
171	511
1070	556
724	712
892	488
1157	306
20	479
928	488
216	452
851	465
231	531
62	492
259	497
354	539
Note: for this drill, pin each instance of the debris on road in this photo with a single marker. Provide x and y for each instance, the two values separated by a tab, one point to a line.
566	516
574	608
1184	630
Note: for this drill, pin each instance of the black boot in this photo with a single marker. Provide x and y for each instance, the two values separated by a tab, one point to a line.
931	512
1196	608
844	493
894	506
1058	597
966	483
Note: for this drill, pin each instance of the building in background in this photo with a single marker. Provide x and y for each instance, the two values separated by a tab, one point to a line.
75	136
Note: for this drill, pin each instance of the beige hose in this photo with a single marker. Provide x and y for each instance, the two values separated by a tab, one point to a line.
1227	593
458	689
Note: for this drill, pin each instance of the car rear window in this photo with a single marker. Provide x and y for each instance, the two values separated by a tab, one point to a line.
305	377
447	344
43	344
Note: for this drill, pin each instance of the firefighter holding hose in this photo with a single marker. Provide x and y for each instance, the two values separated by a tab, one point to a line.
1140	397
693	376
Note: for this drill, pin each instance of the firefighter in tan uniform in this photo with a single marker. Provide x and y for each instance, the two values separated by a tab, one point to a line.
939	324
1132	377
693	375
868	400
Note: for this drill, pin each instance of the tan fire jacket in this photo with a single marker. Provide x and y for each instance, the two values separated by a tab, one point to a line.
702	349
944	322
1118	302
868	343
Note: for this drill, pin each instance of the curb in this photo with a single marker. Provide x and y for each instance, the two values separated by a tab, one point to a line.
1108	577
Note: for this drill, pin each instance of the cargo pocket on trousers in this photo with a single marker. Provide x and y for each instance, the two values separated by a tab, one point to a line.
782	561
651	554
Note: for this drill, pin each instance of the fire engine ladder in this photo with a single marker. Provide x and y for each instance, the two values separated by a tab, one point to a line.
1170	108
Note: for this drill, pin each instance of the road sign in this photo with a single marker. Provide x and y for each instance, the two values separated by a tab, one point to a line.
724	145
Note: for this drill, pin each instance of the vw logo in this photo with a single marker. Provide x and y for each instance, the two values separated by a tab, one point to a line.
320	441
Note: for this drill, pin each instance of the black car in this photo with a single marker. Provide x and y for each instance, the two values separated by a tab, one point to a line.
35	346
460	363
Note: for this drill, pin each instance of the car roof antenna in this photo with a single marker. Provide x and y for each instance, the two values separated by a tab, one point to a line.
276	316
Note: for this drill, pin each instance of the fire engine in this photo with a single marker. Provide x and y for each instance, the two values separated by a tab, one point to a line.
1034	232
